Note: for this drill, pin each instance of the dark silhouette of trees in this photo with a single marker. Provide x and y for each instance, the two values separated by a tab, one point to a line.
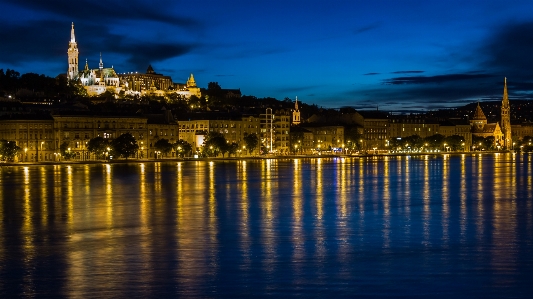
182	148
164	146
125	145
98	146
251	141
214	144
65	151
8	150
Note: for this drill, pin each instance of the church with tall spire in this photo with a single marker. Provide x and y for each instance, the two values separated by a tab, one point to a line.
506	119
95	81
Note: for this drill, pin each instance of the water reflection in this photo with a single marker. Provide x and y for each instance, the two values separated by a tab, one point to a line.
300	227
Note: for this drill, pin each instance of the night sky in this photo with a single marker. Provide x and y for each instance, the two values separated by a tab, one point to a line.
395	55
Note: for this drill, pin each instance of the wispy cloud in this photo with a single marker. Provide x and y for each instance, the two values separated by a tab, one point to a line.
435	79
408	72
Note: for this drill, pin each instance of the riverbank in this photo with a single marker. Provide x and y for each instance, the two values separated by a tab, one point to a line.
118	161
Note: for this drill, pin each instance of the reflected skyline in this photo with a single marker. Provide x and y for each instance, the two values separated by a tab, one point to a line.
278	225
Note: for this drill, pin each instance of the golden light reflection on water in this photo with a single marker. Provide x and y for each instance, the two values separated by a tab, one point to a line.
480	196
426	216
269	184
43	196
108	181
386	203
463	195
28	246
242	176
446	198
104	235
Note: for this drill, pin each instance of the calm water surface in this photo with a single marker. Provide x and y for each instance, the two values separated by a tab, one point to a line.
424	226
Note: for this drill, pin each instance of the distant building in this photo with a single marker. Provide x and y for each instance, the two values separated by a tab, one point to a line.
480	127
142	83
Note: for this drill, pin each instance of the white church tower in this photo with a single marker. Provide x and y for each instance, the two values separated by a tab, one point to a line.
72	52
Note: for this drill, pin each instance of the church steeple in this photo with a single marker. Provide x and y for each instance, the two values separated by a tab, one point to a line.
506	118
101	65
86	65
296	113
72	73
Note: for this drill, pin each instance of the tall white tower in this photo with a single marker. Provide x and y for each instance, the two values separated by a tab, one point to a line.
72	52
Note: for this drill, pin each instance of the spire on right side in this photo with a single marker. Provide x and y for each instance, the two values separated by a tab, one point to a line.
506	119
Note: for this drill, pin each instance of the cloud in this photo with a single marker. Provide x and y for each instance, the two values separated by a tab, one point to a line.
111	11
92	39
435	79
367	28
407	72
371	74
509	49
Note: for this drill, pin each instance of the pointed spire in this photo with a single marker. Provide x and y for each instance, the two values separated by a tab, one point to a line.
86	65
505	101
101	63
72	36
479	115
296	104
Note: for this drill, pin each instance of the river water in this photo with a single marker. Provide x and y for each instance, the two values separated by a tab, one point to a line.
410	226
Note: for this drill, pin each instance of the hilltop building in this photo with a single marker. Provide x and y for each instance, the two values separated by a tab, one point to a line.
140	83
100	80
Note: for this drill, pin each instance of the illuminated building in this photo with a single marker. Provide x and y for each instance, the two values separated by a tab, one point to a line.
480	127
233	130
145	82
35	136
409	125
95	81
506	118
274	131
296	113
326	138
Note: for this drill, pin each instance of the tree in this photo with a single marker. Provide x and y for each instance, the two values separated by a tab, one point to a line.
296	138
125	145
8	150
65	150
455	142
435	141
214	144
98	146
251	141
183	148
164	146
233	148
353	139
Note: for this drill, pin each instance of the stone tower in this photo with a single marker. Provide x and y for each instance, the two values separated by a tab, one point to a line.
479	120
506	119
72	52
296	114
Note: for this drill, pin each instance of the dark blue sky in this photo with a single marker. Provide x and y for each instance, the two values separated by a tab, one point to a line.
397	54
